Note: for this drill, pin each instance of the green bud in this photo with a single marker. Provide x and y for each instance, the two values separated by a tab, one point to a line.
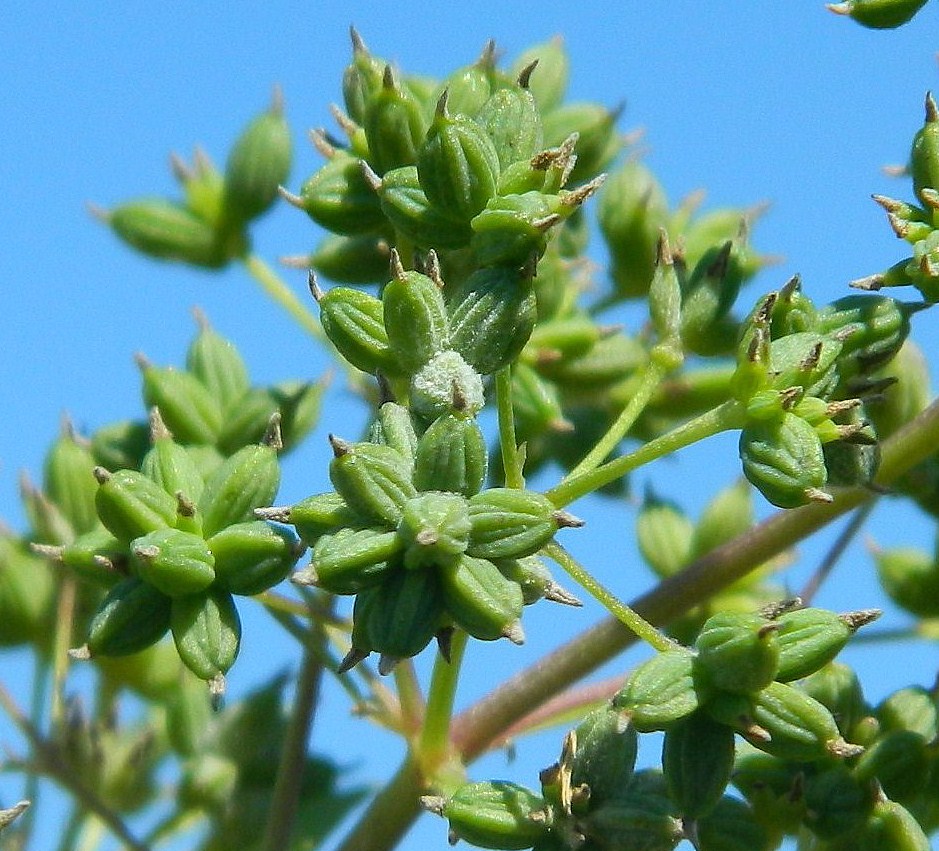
121	445
492	315
911	579
732	826
514	228
511	523
207	632
697	760
548	81
783	459
481	600
394	125
598	142
406	206
351	259
810	638
245	481
190	411
451	456
131	505
253	556
912	708
170	465
661	691
217	364
494	814
174	562
879	14
511	120
259	163
168	231
394	427
892	826
737	652
349	560
899	762
27	594
374	480
361	79
340	199
132	616
447	384
457	165
415	318
664	534
605	756
354	322
469	87
924	158
434	529
69	483
313	516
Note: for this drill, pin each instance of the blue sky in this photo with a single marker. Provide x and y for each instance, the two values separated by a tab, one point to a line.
779	102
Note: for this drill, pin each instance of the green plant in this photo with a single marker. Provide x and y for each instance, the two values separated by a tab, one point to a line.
463	204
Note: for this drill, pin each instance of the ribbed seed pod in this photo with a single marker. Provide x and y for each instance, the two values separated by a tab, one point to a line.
514	228
510	523
511	120
130	505
174	562
394	124
737	652
808	639
434	529
69	483
188	408
415	319
605	756
354	322
207	632
350	560
340	199
132	616
314	516
495	814
216	362
451	456
247	480
253	556
481	600
374	480
351	259
394	427
660	691
698	760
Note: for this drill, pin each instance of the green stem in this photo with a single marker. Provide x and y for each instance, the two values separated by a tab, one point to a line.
410	697
623	613
37	701
274	286
649	382
293	757
729	415
434	747
511	463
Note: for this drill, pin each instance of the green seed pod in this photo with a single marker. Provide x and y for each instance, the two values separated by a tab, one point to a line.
774	790
340	199
783	459
664	534
253	556
174	562
661	691
648	825
351	259
299	405
924	157
97	556
170	465
879	14
911	579
481	600
217	364
245	481
697	760
605	757
891	826
457	165
727	515
837	802
202	185
511	120
415	319
536	404
447	384
496	814
349	560
258	164
808	639
394	124
492	315
130	505
511	523
374	480
548	82
406	206
132	616
737	652
27	594
514	228
394	427
313	516
912	708
469	87
899	762
451	456
399	617
152	673
632	210
796	726
354	322
121	445
850	461
190	411
207	632
246	420
732	826
598	142
362	79
434	529
168	231
837	687
68	481
807	360
905	399
531	574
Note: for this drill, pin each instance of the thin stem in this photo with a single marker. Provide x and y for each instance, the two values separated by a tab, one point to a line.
434	747
623	613
286	796
649	382
37	702
274	286
727	416
856	523
410	696
511	463
65	612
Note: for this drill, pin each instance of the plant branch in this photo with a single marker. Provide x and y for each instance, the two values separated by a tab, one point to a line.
274	287
511	463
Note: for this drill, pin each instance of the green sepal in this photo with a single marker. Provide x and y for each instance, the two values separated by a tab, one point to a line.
481	600
174	562
245	481
253	556
172	467
132	616
207	632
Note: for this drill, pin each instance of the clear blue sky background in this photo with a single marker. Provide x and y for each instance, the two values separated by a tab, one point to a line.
782	102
